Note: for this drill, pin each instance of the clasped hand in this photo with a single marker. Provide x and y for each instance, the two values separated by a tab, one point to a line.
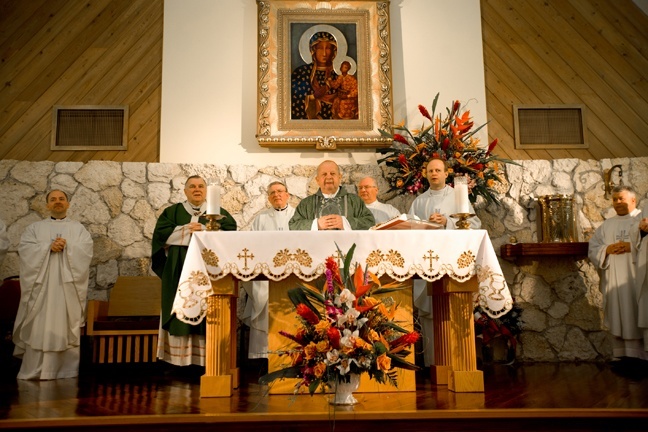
438	218
618	248
58	244
330	222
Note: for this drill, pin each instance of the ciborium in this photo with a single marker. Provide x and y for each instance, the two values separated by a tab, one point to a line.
212	222
462	223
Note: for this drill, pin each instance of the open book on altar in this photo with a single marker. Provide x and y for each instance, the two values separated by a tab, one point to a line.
406	222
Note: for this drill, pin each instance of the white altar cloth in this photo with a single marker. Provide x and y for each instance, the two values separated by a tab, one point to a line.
275	255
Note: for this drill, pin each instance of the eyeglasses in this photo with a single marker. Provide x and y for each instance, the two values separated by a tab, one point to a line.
366	187
276	192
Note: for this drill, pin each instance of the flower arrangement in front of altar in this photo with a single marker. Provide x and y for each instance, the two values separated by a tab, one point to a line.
507	327
344	330
451	138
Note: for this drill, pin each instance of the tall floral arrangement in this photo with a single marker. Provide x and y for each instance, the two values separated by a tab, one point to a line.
344	329
450	137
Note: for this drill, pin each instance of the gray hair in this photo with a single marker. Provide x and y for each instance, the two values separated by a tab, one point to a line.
375	183
276	183
194	177
625	188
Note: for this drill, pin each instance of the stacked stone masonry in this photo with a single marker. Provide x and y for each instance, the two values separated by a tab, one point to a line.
119	203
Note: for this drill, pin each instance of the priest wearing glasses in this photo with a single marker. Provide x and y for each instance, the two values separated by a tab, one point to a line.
331	207
255	315
179	343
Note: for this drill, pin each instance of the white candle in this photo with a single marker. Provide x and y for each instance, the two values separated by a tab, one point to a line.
461	195
213	199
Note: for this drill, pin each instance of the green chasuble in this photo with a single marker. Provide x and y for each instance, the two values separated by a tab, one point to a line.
168	266
351	206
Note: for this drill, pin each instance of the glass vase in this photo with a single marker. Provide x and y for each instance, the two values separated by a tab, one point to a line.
343	391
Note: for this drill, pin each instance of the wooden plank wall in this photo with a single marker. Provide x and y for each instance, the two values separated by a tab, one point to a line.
590	52
61	52
94	52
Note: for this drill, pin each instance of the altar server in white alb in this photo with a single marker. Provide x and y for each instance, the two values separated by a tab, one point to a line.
439	202
642	278
255	315
368	191
435	205
612	250
55	256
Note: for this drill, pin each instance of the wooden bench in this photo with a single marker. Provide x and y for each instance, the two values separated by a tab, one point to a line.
125	328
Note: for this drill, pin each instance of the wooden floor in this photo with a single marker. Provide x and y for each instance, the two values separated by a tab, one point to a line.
530	397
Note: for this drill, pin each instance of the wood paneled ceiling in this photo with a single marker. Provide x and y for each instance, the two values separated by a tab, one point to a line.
61	52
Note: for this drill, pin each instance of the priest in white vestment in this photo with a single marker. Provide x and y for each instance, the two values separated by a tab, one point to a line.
611	250
436	205
368	191
55	257
642	277
255	315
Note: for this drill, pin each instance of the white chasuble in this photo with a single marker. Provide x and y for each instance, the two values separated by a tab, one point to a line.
618	283
54	288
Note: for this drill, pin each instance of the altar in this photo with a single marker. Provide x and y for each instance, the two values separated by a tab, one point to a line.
460	266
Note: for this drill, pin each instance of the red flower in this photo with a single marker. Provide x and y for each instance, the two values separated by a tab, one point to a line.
334	337
466	127
491	146
306	313
478	166
400	138
406	339
424	112
403	160
332	265
445	143
299	337
456	106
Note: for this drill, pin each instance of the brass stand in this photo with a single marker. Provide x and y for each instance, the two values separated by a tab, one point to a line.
462	223
212	222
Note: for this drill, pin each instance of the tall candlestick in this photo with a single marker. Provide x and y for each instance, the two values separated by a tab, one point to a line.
461	194
213	199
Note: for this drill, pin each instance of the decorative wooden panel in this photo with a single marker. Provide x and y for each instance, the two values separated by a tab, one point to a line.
586	52
60	52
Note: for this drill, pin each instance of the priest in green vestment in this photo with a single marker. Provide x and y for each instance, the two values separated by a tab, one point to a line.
331	207
180	343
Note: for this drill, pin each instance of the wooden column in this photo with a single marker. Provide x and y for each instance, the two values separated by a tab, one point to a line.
221	374
440	370
455	332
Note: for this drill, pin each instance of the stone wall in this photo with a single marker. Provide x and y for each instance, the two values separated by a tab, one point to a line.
119	204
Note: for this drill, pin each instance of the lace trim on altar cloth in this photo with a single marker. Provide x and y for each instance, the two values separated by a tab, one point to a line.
430	255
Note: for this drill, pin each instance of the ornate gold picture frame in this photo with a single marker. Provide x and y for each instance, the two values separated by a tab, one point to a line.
324	74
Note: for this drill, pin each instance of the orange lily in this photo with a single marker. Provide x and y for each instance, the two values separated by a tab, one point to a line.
358	282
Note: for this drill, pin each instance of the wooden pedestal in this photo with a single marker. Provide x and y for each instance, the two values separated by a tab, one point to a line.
221	373
454	335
